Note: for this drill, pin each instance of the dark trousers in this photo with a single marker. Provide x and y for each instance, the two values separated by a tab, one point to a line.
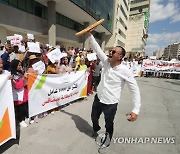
21	112
109	114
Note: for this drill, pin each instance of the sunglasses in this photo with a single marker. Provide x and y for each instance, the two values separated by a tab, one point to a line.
112	51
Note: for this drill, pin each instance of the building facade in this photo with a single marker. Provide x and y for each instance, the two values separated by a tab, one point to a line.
120	24
158	54
55	22
172	51
138	28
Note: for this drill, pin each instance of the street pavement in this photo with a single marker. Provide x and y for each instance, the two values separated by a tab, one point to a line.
69	130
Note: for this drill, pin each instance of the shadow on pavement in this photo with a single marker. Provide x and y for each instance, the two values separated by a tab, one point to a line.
81	124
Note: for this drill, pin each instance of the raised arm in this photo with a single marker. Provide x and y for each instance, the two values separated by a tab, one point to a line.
102	56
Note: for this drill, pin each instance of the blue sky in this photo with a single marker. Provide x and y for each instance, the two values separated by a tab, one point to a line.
164	26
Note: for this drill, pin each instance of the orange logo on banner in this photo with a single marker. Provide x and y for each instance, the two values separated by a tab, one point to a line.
5	130
31	80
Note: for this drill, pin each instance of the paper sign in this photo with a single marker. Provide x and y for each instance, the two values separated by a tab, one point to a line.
20	36
30	36
54	55
63	55
33	47
15	40
22	48
91	56
39	67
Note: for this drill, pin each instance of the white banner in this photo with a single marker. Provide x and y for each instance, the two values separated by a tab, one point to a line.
7	116
159	65
52	90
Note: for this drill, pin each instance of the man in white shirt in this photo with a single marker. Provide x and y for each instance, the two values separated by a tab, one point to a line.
113	77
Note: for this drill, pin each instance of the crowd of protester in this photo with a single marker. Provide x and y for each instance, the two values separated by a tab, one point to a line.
18	64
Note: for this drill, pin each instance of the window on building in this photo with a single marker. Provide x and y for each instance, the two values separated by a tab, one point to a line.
4	1
45	13
139	8
137	1
119	31
64	21
22	4
125	3
70	24
13	3
29	7
123	24
122	34
60	19
38	11
121	43
123	12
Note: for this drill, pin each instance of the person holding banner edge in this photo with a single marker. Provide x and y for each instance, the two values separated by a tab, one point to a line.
113	77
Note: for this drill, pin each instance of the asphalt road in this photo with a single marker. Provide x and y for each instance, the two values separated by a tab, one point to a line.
69	131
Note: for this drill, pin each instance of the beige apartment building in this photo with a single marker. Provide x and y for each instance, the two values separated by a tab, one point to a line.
137	32
172	51
120	24
159	54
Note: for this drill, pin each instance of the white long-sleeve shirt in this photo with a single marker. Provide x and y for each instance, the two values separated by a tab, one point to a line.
113	80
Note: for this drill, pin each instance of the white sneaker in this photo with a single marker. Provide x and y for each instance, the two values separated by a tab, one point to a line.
36	119
45	114
23	124
31	121
52	112
27	120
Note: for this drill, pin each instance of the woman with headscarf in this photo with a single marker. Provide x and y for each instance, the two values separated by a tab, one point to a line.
20	93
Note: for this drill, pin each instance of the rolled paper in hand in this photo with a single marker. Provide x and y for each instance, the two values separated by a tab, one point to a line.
90	27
